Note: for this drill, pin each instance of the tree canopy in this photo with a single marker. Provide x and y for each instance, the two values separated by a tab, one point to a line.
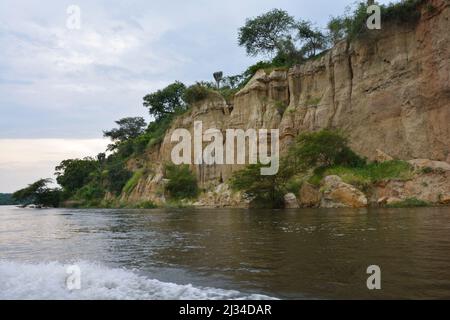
72	174
129	128
38	193
166	101
266	33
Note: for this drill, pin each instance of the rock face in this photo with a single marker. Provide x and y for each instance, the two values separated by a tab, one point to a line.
338	194
290	201
309	196
389	91
430	186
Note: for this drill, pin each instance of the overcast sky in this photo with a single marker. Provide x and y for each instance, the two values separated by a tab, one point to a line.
68	85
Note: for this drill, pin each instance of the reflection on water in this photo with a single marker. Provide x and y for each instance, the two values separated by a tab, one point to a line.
285	254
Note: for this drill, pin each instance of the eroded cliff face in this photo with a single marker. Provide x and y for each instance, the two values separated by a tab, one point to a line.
389	91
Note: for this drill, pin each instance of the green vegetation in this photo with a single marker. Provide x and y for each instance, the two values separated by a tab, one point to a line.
197	92
363	176
352	25
265	191
409	203
166	101
6	199
182	182
132	183
39	194
313	156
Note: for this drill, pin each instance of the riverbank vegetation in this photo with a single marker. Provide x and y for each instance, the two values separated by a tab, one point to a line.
6	199
312	157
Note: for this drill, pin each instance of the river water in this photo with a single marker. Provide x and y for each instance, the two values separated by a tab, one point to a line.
224	254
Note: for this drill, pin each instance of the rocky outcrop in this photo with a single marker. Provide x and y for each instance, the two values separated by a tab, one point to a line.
338	194
388	91
432	186
222	197
290	201
309	196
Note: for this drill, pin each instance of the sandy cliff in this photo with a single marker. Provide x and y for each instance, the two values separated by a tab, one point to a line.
389	91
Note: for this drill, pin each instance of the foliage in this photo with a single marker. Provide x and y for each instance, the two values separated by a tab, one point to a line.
265	33
409	203
38	193
166	101
197	92
73	174
116	177
353	24
370	173
182	182
6	199
265	191
129	128
90	192
336	29
312	38
133	181
324	148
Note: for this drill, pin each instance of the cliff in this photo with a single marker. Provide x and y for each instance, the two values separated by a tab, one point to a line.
388	90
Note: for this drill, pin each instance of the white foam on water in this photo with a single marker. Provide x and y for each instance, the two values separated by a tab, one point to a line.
48	281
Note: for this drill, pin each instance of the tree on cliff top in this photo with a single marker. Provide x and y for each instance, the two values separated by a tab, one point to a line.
266	33
129	128
166	101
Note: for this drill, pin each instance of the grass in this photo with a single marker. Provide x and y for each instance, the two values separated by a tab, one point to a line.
368	174
409	203
133	181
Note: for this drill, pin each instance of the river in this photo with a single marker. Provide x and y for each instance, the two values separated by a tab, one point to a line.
224	253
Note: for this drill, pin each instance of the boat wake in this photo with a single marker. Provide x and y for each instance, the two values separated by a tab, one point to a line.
47	281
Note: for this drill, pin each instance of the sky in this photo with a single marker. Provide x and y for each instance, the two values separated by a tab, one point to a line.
60	87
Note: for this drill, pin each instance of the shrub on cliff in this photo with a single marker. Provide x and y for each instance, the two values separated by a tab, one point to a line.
197	92
323	149
182	183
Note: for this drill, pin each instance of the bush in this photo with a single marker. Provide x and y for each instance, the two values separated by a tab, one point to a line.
90	192
324	148
116	177
196	93
265	191
182	182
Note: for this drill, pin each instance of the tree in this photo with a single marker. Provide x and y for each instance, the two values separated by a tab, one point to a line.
266	33
312	38
39	194
129	128
324	149
166	101
116	177
73	174
265	191
337	29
